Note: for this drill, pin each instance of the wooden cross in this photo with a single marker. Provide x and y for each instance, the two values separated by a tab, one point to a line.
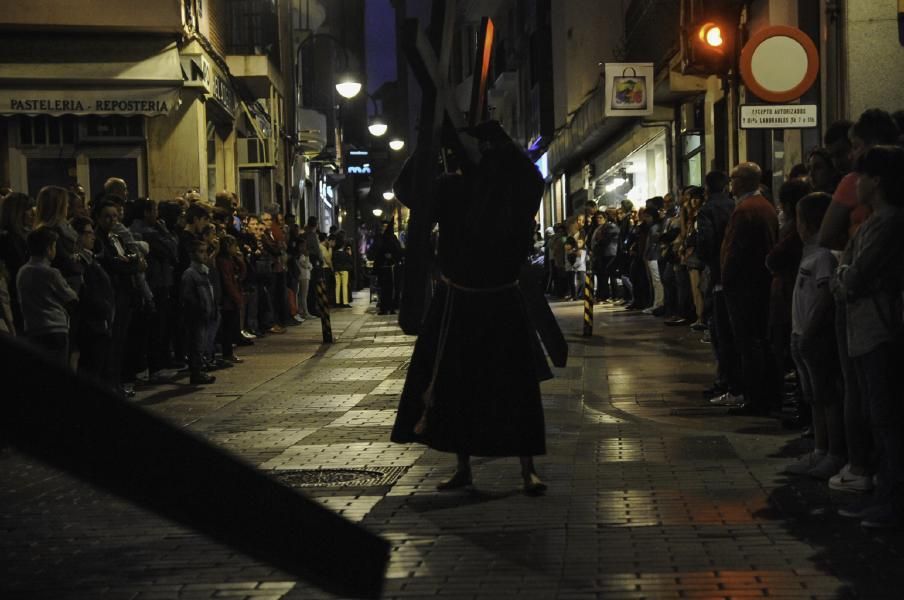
80	427
440	114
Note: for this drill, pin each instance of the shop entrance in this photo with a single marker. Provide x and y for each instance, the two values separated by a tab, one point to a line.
101	169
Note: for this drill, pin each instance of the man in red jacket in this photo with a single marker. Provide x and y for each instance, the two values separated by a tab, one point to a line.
750	235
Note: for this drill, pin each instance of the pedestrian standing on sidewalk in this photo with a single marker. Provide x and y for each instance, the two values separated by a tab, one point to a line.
198	309
813	345
473	386
45	297
870	279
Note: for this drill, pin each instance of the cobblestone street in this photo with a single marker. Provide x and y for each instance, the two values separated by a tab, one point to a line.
653	493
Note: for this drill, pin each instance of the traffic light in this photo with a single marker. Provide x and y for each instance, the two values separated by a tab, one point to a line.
708	48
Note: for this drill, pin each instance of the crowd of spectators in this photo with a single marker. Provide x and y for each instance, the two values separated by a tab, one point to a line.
798	295
127	291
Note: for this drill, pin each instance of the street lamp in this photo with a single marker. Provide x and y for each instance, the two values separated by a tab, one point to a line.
347	83
396	144
348	86
388	195
377	126
378	212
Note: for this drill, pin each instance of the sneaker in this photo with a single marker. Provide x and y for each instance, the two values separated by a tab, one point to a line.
859	510
648	310
677	322
805	463
698	326
277	329
707	337
881	517
728	399
827	467
845	481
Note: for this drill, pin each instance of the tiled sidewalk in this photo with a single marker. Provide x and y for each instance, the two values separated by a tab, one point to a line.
652	493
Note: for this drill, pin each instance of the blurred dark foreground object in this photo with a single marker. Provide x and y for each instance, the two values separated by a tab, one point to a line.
77	426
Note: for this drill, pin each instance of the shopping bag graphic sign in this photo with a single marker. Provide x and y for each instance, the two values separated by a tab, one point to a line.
628	89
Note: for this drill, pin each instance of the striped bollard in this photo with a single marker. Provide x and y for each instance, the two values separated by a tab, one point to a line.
323	306
588	304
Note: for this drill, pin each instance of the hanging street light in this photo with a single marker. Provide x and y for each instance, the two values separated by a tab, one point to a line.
378	212
348	85
377	126
396	144
388	195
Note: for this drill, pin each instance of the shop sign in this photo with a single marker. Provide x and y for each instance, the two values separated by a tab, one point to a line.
224	94
629	89
144	101
778	116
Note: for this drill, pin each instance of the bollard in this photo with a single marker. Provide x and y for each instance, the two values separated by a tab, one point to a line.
588	304
323	306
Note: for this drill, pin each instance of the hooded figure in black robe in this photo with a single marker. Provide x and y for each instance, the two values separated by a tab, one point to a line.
473	385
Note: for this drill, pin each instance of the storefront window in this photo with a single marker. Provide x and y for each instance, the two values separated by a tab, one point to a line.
692	159
643	174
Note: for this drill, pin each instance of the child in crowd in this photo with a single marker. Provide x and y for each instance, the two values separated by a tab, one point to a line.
813	346
196	299
45	297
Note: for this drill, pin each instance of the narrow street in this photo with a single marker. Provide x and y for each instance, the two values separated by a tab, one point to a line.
652	493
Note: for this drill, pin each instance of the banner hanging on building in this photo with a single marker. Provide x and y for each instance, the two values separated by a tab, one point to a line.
629	89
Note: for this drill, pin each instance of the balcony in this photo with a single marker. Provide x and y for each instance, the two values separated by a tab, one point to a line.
160	16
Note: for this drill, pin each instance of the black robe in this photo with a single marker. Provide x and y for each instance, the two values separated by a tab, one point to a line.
477	345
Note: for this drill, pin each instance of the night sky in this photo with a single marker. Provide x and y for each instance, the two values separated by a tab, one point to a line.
380	45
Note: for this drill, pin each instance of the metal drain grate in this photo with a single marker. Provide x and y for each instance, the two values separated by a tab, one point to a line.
322	478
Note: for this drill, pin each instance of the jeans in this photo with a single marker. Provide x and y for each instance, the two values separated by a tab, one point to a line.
728	368
303	286
857	432
656	283
882	401
55	346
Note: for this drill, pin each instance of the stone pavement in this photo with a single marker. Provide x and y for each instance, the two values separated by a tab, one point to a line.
653	494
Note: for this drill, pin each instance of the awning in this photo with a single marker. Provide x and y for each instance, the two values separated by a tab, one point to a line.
55	74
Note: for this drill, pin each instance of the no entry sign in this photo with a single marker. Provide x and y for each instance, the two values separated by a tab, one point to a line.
779	63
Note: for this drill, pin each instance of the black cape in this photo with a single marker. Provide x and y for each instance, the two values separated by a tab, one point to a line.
477	346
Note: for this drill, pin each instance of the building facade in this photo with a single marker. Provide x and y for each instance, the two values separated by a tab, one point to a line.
695	126
171	96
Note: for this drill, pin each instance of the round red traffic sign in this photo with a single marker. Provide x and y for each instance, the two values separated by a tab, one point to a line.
779	63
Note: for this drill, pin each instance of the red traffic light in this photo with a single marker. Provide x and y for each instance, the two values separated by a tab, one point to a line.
711	35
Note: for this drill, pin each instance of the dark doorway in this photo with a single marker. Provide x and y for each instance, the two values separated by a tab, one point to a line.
102	169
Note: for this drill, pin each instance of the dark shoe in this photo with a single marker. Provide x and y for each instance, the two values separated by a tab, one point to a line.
244	342
658	312
678	322
533	485
277	329
460	479
715	390
202	379
698	326
234	359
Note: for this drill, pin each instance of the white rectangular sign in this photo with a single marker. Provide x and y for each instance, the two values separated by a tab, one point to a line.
778	116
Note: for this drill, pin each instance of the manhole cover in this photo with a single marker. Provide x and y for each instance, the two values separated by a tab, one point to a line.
369	477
